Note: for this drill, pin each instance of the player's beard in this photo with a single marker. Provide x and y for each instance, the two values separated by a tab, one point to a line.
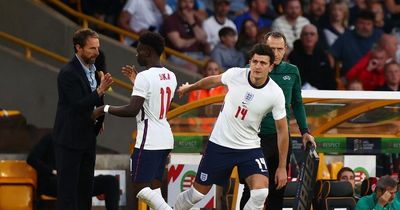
89	60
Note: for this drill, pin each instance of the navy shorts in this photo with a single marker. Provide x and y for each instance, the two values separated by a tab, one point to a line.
147	165
217	164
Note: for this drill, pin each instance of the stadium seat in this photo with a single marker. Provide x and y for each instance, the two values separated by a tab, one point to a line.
289	197
318	191
368	186
17	185
337	194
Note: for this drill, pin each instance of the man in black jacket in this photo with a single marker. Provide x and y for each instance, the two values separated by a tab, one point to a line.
313	63
80	90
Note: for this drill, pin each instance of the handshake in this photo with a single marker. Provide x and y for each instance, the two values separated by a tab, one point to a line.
105	82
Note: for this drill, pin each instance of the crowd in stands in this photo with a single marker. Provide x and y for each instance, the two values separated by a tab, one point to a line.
336	44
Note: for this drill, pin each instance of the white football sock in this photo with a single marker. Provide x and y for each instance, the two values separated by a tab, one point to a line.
187	199
257	199
158	191
153	198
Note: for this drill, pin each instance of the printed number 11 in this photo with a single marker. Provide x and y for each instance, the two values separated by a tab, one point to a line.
164	106
242	111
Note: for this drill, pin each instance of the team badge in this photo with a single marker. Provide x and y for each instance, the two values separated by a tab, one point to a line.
203	176
248	98
286	77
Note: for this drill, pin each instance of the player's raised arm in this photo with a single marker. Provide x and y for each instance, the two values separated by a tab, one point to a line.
205	83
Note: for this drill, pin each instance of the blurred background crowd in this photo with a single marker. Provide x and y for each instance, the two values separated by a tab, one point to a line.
336	44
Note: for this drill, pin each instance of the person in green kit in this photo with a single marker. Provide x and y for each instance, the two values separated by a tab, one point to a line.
384	197
287	76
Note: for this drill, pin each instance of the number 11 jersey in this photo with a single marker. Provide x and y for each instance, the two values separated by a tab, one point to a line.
244	108
157	86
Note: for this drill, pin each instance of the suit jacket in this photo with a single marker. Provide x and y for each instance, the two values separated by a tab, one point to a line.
73	126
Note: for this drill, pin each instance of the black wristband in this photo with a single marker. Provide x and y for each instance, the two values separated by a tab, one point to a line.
304	131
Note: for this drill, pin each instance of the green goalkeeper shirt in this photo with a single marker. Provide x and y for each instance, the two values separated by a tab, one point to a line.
287	76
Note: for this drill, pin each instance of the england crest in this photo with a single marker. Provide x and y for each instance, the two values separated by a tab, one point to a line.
203	176
248	98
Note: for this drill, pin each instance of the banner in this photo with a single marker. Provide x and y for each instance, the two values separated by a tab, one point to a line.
364	145
364	166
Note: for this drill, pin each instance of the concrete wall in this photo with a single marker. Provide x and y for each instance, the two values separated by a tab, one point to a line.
31	87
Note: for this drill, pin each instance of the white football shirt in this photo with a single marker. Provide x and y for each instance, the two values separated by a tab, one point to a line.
244	107
157	86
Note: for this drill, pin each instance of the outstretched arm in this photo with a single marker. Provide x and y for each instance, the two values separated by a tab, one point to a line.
129	110
205	83
283	147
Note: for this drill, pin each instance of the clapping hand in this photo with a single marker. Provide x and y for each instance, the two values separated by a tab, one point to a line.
105	82
130	72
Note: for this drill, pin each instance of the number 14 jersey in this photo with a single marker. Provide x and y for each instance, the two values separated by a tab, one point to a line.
157	86
244	108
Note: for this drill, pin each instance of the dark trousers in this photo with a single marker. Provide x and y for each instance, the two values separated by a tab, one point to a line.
103	184
271	153
75	171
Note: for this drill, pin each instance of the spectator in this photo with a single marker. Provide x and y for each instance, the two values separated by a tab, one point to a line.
163	7
257	8
393	7
237	8
389	43
211	68
185	34
104	10
219	20
316	12
369	69
392	77
382	198
198	6
360	5
225	53
346	174
317	16
377	7
291	22
312	61
42	159
337	25
352	45
354	85
138	16
247	37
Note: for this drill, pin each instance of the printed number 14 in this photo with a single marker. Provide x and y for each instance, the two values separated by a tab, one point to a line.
241	111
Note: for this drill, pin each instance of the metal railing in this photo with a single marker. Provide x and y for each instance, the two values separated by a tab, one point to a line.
29	47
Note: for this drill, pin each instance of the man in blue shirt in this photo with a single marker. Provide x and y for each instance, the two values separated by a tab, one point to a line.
257	8
352	45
